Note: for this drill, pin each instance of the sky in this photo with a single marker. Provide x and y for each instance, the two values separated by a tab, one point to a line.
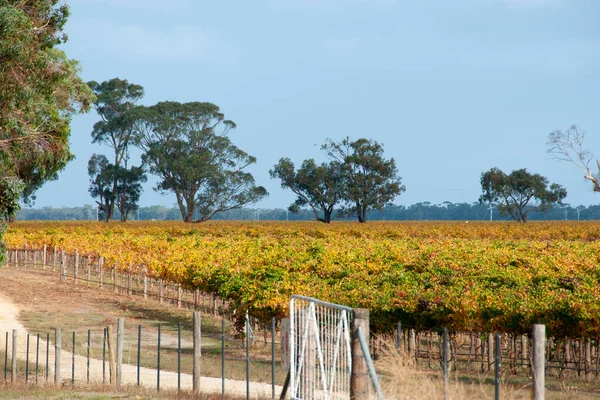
450	88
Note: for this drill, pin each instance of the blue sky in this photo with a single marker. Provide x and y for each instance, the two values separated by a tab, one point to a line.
451	88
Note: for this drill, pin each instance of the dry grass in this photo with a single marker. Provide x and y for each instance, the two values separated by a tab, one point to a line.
400	379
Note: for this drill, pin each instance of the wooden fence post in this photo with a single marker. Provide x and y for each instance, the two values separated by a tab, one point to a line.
89	270
160	290
539	362
63	265
179	295
359	379
111	355
57	348
54	260
412	345
100	262
114	279
45	260
119	366
588	359
197	352
76	272
145	285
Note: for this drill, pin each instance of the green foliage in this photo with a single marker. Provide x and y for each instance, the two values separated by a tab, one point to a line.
40	90
317	186
103	175
10	192
115	102
101	184
186	145
520	192
114	99
369	181
129	189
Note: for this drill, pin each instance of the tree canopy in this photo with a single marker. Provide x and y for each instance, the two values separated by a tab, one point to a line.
369	181
318	187
40	90
115	101
520	192
187	147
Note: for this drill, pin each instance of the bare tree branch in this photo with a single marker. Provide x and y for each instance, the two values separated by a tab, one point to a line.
568	146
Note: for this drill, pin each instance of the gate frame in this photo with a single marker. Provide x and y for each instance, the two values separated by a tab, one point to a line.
353	329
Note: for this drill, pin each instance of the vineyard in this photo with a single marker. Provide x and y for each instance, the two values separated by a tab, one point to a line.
479	277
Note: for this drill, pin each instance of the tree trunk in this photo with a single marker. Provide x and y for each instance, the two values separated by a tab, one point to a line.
362	213
111	203
181	206
327	215
191	206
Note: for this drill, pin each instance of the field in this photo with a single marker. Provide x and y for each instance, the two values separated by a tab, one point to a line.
478	277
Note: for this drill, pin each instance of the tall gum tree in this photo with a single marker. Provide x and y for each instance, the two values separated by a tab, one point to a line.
40	91
187	147
317	187
519	193
370	182
115	100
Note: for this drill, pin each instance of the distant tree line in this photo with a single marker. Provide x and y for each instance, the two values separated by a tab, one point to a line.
424	211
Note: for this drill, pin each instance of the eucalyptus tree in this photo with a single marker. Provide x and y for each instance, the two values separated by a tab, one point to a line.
568	146
40	91
318	187
369	181
101	174
115	100
187	147
129	189
520	192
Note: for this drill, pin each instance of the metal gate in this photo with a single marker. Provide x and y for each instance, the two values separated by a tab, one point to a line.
320	349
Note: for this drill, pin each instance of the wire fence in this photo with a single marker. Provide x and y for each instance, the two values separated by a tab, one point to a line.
90	270
161	358
475	352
